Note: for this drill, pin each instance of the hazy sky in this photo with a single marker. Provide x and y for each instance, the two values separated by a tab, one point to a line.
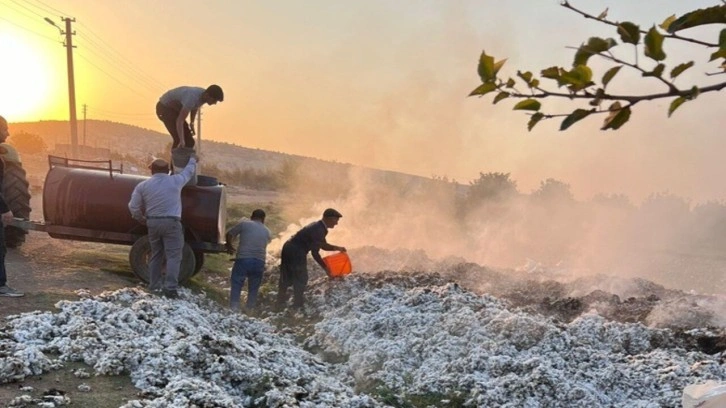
377	83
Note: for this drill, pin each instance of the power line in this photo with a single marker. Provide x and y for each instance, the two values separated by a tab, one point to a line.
47	8
109	75
113	62
125	114
31	31
122	58
25	7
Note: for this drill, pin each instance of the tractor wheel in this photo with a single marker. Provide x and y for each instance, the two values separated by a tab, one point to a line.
199	261
16	192
141	252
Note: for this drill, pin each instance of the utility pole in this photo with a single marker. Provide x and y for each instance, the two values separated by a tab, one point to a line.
199	131
85	108
71	87
71	82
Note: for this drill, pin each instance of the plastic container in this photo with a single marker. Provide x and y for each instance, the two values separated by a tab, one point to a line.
179	159
338	264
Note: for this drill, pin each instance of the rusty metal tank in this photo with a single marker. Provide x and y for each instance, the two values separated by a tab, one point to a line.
97	199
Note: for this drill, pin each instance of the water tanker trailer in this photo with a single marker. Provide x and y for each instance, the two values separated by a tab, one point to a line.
88	201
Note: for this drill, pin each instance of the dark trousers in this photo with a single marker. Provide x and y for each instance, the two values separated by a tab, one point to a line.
168	116
3	250
293	272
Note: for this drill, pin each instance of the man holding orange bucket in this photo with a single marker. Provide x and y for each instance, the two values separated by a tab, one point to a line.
293	267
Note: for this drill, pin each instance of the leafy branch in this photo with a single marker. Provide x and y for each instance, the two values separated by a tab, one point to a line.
579	80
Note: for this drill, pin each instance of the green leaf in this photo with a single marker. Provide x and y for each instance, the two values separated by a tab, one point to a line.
656	72
528	104
711	15
578	78
526	76
675	104
595	45
484	89
500	96
718	54
618	116
667	22
654	45
680	68
498	66
534	119
598	97
629	32
510	83
721	53
575	116
551	72
609	75
486	68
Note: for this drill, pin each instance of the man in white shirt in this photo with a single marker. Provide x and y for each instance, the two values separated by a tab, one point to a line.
156	202
179	103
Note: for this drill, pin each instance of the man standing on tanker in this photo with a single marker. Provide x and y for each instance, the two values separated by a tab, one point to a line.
157	203
293	267
178	103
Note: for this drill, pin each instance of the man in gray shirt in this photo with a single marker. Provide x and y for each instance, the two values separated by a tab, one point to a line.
175	105
156	202
250	260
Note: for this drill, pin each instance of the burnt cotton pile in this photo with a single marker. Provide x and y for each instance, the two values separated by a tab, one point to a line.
383	339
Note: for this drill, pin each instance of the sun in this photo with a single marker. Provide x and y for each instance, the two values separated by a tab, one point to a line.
24	78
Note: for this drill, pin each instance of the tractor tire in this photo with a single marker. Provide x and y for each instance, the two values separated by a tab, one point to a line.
141	252
199	261
16	192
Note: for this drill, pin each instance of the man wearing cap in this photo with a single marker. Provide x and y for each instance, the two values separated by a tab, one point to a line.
156	202
293	266
176	104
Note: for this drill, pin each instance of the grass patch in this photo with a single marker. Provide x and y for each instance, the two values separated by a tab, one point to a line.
212	277
390	397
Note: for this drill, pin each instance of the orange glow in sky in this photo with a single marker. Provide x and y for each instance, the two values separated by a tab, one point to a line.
377	83
26	90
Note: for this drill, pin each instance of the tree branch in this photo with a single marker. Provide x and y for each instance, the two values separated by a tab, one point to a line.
628	98
567	5
611	57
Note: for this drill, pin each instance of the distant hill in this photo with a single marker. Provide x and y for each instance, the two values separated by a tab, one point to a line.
143	143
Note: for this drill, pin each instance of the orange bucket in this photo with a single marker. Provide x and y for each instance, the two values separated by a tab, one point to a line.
338	264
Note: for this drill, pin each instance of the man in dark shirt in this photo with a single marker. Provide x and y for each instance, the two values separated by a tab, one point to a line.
293	267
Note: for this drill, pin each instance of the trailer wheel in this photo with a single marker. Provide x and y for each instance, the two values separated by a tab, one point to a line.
16	192
199	261
141	252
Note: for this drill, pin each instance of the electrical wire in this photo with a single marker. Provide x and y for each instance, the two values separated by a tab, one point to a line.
55	40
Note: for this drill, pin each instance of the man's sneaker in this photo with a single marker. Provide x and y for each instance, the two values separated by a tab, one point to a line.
7	291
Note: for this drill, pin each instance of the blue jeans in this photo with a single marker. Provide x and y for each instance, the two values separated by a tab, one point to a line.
246	268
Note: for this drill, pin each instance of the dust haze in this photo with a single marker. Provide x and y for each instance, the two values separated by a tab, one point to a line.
420	221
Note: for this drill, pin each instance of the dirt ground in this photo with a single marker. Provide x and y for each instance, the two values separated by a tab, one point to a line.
48	270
